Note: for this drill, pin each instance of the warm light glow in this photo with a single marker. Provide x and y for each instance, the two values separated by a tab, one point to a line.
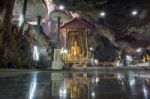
102	14
91	49
35	53
96	62
134	12
61	7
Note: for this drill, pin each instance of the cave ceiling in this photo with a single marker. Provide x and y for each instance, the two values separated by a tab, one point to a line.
34	8
119	26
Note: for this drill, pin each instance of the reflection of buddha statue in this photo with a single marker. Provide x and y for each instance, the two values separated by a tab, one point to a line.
78	88
75	49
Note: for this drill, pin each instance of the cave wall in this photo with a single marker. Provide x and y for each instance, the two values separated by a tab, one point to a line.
36	37
6	7
15	47
34	8
104	50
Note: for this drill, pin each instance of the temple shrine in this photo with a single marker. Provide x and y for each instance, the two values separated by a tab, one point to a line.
74	37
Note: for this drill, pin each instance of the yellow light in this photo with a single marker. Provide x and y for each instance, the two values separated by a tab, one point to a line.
65	51
91	49
96	62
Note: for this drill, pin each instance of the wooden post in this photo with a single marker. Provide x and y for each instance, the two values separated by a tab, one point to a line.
23	15
87	48
58	33
38	21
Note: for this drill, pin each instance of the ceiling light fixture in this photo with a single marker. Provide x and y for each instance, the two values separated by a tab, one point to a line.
102	14
61	7
134	12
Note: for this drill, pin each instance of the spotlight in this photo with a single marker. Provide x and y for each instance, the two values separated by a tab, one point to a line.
102	14
91	48
61	7
134	12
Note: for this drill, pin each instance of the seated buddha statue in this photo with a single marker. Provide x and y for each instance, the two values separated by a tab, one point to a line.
75	49
69	56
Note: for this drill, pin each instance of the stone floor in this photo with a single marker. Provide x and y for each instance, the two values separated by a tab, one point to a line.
34	84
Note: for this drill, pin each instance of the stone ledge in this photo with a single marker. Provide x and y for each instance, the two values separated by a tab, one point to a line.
110	68
79	69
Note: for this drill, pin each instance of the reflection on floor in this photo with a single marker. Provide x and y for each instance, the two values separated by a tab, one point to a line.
62	85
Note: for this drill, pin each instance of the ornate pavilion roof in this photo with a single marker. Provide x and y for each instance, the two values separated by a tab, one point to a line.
77	23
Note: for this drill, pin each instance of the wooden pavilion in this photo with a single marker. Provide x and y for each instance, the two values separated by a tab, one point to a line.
74	37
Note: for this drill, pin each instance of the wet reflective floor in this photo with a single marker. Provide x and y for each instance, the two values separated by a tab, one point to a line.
75	85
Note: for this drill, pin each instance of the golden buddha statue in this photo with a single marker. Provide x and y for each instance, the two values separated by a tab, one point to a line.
75	49
69	56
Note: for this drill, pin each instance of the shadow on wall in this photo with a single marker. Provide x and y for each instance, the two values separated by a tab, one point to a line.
105	51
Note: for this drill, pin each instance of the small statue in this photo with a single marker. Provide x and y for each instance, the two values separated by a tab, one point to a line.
144	59
148	58
76	50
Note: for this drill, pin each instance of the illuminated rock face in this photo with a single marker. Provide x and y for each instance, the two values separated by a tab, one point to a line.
14	47
34	8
